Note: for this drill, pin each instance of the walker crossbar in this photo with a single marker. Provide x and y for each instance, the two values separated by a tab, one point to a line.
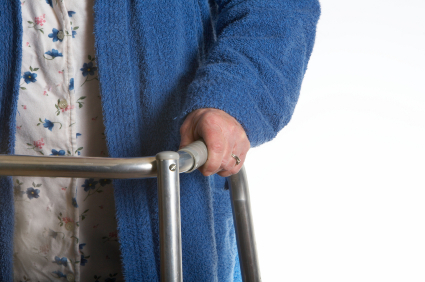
166	166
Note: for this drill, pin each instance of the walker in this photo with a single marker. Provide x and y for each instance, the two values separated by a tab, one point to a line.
166	166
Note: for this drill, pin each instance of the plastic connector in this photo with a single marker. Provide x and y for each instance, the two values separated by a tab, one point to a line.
198	150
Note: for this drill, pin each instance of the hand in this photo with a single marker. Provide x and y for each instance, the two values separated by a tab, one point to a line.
223	136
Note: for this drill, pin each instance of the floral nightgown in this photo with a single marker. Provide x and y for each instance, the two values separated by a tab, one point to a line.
65	229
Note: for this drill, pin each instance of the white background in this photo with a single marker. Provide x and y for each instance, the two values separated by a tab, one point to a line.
339	195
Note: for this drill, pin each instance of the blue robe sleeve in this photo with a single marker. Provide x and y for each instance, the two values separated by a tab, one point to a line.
255	67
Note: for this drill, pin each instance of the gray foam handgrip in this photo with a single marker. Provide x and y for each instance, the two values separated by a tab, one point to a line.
198	150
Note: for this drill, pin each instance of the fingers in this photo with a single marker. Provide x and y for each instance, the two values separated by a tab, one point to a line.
240	151
212	131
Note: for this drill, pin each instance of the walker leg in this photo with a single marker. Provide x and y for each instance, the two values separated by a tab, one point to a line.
169	217
247	250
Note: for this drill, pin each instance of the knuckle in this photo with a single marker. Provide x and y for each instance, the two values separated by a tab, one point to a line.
211	167
244	138
248	145
217	147
212	118
236	169
245	146
227	164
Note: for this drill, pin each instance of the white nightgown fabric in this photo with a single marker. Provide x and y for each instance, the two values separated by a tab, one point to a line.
65	229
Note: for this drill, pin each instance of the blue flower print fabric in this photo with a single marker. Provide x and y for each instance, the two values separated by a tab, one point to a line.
65	228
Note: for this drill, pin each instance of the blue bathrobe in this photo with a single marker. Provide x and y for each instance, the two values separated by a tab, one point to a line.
157	62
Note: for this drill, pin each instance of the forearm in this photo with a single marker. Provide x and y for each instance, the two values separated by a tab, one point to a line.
254	70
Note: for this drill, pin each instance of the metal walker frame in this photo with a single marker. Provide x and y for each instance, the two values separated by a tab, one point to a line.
166	166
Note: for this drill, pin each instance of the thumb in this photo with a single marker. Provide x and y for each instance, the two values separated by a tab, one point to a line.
186	134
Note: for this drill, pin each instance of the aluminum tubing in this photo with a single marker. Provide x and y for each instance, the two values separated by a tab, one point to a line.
169	217
79	167
239	196
191	158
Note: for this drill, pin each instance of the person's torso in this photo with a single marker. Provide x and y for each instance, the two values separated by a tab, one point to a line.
65	229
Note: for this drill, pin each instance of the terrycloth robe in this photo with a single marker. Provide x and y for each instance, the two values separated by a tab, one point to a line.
158	61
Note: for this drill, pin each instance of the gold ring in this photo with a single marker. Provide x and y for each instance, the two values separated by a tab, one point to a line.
238	161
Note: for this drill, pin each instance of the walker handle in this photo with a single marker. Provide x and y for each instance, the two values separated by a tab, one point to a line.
198	155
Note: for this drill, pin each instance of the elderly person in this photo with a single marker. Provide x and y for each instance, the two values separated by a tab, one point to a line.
130	79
